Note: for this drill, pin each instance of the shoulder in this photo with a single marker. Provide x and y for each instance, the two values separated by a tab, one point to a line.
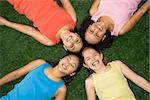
119	62
38	61
63	89
89	80
120	65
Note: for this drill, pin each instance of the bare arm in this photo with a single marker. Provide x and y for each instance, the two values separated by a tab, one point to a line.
61	93
135	18
28	30
138	80
20	72
90	91
94	7
69	8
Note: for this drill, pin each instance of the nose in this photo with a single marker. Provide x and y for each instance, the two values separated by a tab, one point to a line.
70	44
93	58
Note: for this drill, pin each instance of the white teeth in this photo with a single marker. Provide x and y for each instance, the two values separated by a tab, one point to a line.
100	27
95	62
69	38
64	67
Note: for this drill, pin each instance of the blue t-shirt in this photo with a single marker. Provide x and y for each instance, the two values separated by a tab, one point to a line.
35	86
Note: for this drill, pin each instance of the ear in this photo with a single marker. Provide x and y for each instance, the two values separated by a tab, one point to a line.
103	37
65	47
72	74
86	66
101	55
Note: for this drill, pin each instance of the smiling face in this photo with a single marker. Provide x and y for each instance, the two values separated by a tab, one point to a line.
92	59
68	64
72	42
95	32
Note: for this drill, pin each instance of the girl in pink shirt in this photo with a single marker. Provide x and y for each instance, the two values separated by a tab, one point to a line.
112	18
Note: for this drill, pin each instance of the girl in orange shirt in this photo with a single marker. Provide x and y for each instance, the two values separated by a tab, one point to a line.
54	22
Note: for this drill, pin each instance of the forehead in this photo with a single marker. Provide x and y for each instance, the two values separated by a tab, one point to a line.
78	46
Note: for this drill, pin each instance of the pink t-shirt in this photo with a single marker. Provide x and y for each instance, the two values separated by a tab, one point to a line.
118	10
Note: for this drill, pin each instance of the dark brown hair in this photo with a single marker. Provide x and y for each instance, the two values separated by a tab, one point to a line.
106	43
105	59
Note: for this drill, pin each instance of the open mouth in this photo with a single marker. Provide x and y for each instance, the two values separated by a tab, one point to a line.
69	38
64	67
99	27
94	63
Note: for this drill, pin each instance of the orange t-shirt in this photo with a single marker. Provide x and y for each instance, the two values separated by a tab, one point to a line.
45	14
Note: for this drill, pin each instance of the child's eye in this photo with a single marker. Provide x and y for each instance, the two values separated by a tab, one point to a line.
87	59
73	65
94	54
91	31
77	41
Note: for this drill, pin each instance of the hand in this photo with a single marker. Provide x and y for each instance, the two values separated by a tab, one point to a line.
3	21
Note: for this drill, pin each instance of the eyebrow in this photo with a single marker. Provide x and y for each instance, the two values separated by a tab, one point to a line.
72	48
78	41
87	57
74	65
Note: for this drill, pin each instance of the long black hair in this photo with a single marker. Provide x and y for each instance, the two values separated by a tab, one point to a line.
106	43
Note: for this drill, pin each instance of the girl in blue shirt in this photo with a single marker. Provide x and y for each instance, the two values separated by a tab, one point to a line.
42	82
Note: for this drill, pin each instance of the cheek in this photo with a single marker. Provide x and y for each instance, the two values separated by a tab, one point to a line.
91	37
88	63
100	33
65	42
69	71
60	62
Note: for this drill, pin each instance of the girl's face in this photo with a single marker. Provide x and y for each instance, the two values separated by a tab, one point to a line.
72	42
92	59
68	64
95	32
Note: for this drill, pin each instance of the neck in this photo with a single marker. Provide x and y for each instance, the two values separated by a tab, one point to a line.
55	74
107	21
102	69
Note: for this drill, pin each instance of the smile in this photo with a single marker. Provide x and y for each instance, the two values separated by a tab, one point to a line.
64	67
99	27
95	62
69	38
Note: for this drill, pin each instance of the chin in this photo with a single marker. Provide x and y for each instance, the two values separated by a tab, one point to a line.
96	68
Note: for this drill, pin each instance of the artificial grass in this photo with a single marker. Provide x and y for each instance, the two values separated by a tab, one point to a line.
17	49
